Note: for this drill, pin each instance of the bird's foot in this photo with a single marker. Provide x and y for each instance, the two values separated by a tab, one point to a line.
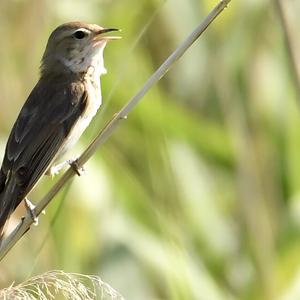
79	170
54	170
31	210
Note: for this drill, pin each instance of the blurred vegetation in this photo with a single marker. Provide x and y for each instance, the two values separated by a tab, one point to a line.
197	194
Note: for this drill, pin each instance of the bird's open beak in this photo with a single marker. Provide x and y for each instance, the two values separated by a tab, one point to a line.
101	37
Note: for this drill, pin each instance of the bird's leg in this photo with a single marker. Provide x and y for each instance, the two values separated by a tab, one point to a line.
31	210
73	163
79	170
54	170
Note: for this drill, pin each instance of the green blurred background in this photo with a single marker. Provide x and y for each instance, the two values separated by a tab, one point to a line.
197	194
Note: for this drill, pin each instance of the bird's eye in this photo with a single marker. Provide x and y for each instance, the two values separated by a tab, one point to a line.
79	34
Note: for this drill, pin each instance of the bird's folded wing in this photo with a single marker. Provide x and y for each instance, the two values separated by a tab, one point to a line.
41	128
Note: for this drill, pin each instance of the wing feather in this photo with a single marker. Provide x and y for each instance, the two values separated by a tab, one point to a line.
38	134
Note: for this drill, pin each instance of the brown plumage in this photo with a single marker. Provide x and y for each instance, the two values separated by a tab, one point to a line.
57	111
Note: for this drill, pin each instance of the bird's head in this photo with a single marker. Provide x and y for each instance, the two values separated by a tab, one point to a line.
76	47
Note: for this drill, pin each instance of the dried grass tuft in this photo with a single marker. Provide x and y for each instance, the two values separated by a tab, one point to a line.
60	285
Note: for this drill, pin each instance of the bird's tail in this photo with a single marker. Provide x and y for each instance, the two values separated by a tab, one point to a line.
9	200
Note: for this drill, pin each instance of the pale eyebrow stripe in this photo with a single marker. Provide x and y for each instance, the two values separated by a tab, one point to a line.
82	29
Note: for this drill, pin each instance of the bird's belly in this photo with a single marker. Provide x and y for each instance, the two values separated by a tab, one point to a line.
84	120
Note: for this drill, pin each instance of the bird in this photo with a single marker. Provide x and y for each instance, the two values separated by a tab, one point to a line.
57	111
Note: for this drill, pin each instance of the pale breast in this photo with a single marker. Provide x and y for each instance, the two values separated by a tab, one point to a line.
93	104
